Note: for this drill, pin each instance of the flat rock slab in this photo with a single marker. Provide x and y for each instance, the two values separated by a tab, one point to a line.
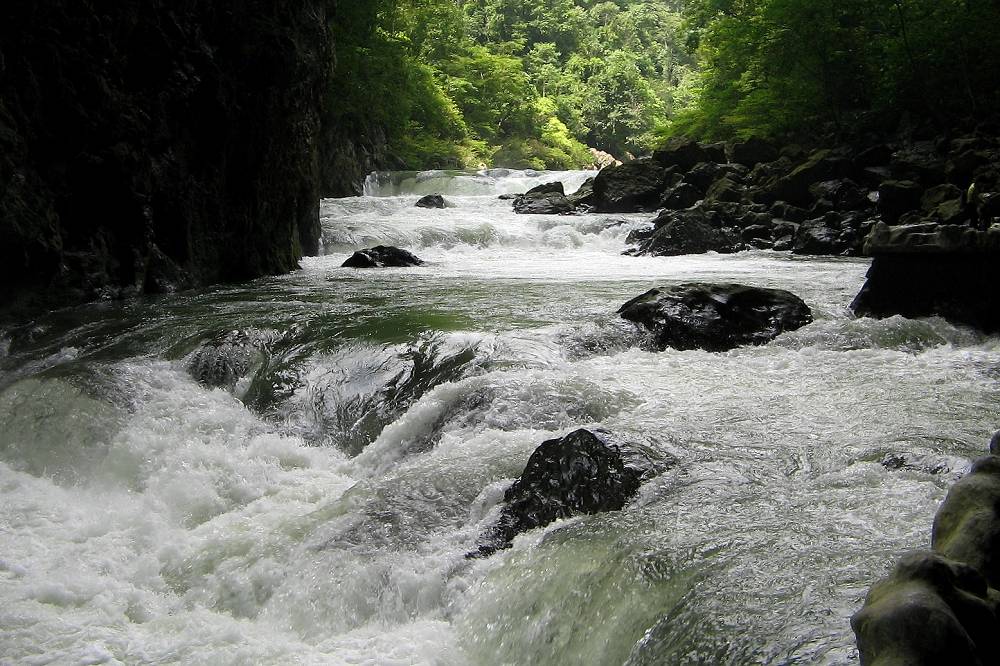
584	472
382	256
716	317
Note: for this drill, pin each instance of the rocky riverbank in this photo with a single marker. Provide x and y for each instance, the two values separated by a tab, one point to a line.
924	210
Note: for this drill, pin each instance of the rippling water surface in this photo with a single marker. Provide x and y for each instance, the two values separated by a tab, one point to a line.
291	470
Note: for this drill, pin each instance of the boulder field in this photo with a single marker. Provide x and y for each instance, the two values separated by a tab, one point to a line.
926	211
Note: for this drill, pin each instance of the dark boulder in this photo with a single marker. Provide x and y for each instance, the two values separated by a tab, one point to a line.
703	174
961	168
753	151
873	156
715	152
726	190
545	204
686	232
785	211
756	232
822	236
382	256
430	201
967	526
584	195
682	154
843	194
629	187
681	196
931	269
919	162
937	195
585	472
929	611
716	317
897	197
794	187
555	187
544	199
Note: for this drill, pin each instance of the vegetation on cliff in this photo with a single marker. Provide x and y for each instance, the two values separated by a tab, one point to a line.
535	82
512	82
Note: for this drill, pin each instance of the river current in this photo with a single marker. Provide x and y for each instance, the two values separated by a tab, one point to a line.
291	471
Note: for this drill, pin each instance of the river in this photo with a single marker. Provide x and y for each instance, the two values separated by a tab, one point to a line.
293	469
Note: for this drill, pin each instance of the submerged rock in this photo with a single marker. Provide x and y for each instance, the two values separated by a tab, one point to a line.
430	201
585	472
716	317
382	256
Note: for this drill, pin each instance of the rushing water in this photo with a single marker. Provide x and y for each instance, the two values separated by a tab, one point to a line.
292	470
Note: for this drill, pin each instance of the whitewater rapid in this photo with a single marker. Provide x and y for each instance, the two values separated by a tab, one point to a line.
292	470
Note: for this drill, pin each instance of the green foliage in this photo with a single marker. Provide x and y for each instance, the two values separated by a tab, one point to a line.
772	66
510	82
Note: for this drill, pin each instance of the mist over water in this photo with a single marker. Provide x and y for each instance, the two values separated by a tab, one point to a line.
292	470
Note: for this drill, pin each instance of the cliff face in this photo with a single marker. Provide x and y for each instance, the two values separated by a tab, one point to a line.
162	144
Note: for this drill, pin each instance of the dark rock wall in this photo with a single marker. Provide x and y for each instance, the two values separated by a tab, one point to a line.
148	146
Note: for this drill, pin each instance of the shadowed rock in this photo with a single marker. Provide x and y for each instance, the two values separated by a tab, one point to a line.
930	611
716	317
967	526
685	232
930	269
632	186
382	256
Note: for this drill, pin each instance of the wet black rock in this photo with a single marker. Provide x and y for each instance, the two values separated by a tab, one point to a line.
382	256
585	472
544	199
584	195
430	201
929	611
821	236
680	197
716	317
686	232
629	187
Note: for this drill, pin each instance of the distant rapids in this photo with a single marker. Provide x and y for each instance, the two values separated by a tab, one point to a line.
483	182
293	469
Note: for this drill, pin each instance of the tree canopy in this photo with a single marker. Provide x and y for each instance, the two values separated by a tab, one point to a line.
535	83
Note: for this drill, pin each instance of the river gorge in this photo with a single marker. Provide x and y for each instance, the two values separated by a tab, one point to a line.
292	470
